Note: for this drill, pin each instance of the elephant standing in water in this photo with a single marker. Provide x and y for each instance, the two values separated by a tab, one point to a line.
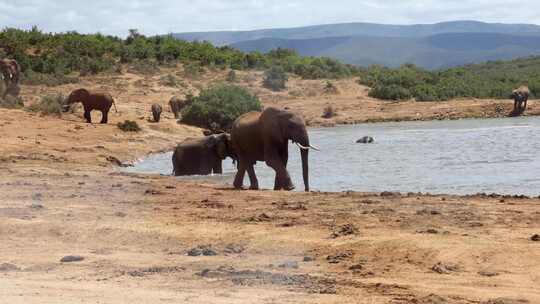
264	136
91	101
202	156
10	72
520	96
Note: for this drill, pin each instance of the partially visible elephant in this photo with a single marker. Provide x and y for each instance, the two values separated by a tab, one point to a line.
365	140
156	112
520	96
202	156
177	105
91	101
264	136
10	72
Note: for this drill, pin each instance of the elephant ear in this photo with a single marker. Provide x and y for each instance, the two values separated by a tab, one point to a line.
218	143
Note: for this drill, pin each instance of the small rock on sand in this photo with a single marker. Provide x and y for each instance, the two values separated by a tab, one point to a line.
202	251
289	264
6	267
535	238
71	258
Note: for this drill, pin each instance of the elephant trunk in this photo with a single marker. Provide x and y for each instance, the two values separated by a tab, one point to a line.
305	168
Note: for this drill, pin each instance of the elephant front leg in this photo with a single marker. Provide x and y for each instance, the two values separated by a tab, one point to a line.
104	117
282	180
87	116
239	178
217	168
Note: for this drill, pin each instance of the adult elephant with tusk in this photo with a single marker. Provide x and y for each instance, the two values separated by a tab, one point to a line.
10	73
264	136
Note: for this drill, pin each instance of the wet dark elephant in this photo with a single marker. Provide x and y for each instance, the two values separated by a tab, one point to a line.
202	156
520	96
264	136
99	101
156	112
10	73
365	140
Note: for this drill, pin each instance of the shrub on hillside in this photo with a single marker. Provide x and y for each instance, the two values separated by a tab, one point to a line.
11	102
128	126
330	88
49	105
391	92
275	78
231	76
220	105
32	78
169	81
329	112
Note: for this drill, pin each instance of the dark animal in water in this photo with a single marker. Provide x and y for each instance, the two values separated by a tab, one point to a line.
365	140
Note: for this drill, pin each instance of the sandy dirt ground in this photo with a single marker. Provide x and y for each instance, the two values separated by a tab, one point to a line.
154	239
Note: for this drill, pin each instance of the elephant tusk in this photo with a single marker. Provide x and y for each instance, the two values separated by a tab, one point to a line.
314	148
307	148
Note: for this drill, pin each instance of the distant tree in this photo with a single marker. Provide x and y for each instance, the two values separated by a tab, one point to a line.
275	78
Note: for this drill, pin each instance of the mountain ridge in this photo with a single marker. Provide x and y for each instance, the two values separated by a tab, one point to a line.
431	46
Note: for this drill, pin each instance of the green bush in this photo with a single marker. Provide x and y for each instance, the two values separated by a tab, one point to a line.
170	81
330	88
49	105
220	105
33	78
391	92
11	102
231	76
128	126
87	54
329	112
145	67
275	78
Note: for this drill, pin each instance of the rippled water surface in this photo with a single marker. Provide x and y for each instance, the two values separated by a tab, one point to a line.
454	157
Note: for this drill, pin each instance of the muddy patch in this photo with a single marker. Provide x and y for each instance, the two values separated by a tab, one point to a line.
299	282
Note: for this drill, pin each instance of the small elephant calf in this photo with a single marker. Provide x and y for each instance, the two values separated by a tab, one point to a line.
202	156
156	112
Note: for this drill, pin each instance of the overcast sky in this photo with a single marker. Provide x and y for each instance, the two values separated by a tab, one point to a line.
165	16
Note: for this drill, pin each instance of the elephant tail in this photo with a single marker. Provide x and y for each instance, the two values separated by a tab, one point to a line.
114	104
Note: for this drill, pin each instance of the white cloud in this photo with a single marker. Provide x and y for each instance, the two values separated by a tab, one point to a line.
160	16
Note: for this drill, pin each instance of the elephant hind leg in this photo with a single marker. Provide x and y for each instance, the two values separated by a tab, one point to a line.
252	178
104	116
239	178
87	116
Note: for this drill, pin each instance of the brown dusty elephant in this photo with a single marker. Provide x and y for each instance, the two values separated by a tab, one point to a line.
91	101
264	136
177	105
10	72
156	112
520	96
202	156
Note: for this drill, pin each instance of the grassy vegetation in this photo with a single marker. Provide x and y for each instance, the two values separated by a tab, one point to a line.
61	54
494	79
49	105
129	126
11	102
275	78
217	107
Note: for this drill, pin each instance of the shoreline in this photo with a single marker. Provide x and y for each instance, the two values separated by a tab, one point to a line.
152	238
